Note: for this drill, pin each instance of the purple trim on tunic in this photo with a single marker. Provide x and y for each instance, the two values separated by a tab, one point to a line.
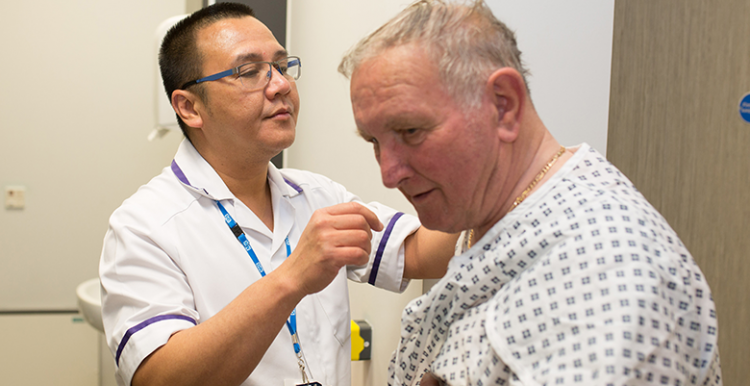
381	247
293	185
143	325
178	172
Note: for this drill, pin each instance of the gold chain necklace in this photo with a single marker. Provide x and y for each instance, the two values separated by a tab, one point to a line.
531	186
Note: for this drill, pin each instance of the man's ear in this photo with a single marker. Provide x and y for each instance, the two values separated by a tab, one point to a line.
185	104
507	91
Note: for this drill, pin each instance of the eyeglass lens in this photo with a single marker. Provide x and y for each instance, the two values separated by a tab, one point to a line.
255	75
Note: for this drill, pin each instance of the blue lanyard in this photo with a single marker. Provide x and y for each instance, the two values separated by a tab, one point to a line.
291	323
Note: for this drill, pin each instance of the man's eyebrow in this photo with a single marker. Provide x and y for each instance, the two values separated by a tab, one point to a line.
256	57
280	54
402	122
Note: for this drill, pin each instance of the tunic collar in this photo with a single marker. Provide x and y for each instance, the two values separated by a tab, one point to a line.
196	174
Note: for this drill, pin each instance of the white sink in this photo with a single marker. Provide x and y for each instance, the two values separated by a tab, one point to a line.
90	302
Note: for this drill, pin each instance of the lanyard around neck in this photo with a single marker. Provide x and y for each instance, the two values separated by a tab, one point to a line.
291	323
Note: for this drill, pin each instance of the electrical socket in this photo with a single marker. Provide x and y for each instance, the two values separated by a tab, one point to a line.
15	197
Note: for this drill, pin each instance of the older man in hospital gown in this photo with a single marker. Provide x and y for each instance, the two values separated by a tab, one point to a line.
564	273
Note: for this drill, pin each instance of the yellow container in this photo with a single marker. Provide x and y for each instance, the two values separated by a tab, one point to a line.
361	340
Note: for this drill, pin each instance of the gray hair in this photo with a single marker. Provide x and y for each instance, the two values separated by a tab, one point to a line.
465	41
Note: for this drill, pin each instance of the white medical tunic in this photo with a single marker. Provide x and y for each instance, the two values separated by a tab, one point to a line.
170	261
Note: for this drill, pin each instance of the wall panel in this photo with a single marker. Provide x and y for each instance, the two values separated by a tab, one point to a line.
679	69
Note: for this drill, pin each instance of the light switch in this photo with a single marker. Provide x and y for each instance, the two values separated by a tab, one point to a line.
15	197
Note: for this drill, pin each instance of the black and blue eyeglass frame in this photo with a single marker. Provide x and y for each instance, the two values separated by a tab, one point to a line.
251	74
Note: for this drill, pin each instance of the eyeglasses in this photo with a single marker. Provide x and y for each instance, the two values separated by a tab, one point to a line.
256	75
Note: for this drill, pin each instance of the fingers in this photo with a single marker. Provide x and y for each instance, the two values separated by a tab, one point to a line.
341	238
353	208
348	255
429	380
334	237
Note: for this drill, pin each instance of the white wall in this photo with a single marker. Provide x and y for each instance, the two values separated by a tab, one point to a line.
76	101
567	46
48	350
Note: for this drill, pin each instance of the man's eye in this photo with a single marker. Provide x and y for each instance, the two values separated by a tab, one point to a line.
375	147
368	138
411	135
251	73
373	142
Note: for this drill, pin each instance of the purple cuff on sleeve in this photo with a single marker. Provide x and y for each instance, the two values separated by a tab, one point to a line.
381	247
143	325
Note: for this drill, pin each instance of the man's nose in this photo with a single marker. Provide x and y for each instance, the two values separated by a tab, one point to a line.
393	169
278	84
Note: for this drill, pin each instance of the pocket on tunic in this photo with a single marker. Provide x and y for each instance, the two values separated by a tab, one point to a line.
334	300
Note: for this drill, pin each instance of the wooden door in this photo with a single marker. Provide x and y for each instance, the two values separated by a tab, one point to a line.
679	70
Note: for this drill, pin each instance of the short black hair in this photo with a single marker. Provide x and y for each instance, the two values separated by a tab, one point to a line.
179	58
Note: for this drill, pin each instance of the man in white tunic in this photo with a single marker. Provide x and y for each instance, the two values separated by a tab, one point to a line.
564	273
224	270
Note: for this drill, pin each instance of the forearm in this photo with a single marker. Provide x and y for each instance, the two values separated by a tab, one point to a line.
226	348
427	253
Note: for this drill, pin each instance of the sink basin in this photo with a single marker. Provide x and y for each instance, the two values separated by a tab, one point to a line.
90	302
